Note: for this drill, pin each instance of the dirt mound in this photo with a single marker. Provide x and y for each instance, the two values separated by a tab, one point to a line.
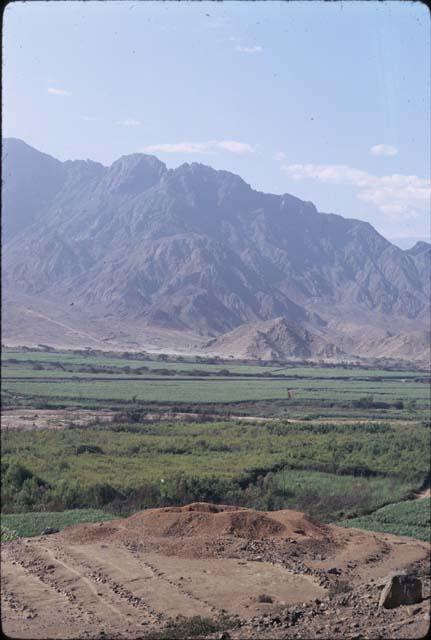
204	519
205	507
239	523
201	520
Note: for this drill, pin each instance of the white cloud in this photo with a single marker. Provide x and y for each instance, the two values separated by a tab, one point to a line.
179	147
130	123
393	194
383	150
255	49
233	146
211	146
59	92
89	118
280	155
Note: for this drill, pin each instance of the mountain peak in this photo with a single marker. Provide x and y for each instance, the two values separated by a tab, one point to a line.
418	248
208	182
19	149
135	173
198	248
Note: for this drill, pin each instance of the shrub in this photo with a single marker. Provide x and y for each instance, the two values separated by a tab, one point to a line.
88	448
16	475
194	627
31	493
7	535
264	597
100	495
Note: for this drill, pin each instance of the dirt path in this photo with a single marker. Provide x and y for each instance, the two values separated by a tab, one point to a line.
32	419
68	328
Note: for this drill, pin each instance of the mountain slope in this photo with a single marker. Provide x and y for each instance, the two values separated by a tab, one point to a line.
278	339
195	248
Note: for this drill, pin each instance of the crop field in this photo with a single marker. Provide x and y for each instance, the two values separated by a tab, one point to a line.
315	491
62	379
335	441
409	518
33	523
210	390
13	357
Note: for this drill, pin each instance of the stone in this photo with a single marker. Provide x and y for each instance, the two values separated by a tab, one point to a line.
49	530
401	589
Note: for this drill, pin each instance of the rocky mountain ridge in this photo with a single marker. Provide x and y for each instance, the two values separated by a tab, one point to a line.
195	249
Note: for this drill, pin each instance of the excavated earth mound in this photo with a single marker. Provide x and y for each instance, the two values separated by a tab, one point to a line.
279	574
201	520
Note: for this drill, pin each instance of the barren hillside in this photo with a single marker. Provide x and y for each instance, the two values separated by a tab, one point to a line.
199	251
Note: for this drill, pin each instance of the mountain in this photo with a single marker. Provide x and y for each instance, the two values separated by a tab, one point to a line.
195	249
278	339
410	241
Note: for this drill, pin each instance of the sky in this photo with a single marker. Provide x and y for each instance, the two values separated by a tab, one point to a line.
329	101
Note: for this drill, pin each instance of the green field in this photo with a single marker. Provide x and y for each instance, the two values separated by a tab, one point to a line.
42	380
318	492
13	357
33	523
211	390
409	518
346	440
361	466
62	379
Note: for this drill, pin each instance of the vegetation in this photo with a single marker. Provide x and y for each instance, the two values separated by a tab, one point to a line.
410	518
194	627
33	523
7	535
327	494
327	470
47	378
103	359
344	442
215	389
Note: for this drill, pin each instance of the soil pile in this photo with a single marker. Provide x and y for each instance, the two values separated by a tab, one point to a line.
280	574
201	520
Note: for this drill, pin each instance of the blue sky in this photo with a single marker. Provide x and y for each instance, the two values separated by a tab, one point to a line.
328	101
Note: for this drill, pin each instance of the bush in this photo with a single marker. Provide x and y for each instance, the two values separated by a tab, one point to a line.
16	475
264	597
88	448
182	489
31	493
100	495
7	535
194	627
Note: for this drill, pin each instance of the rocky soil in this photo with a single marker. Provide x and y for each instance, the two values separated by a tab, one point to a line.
275	574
